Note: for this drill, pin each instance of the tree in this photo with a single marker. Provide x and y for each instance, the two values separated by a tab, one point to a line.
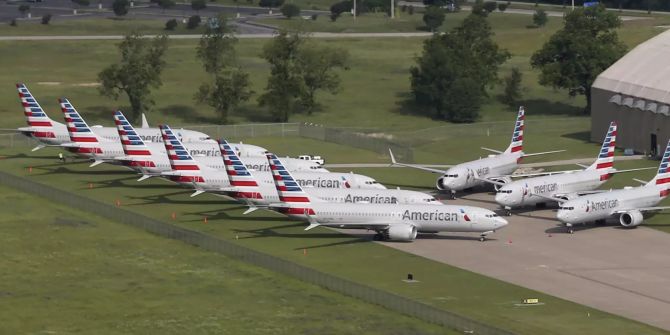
338	8
586	45
512	91
285	83
490	6
171	24
120	7
540	18
433	17
197	5
317	65
166	4
502	6
270	3
193	22
438	3
454	70
229	85
478	8
24	9
290	10
46	18
137	72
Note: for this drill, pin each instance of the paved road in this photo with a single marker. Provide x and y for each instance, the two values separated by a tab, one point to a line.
530	165
194	36
620	271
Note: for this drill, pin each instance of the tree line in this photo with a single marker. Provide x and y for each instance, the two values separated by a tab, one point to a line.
455	70
299	69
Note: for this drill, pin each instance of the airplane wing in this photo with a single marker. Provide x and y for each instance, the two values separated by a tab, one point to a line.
631	170
552	198
395	163
490	181
643	209
542	153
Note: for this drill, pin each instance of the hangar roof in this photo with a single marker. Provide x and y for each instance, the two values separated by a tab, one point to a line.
643	73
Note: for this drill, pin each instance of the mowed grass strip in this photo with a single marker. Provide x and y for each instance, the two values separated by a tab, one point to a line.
352	257
66	271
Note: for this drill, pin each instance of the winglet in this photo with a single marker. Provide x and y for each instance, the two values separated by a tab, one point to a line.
393	162
197	193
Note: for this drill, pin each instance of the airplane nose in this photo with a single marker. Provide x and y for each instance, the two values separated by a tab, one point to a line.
562	215
501	198
500	222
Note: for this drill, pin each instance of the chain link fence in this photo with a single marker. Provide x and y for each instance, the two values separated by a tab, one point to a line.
363	292
16	140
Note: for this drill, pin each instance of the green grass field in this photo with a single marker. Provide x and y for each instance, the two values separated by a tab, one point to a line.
65	271
482	298
100	26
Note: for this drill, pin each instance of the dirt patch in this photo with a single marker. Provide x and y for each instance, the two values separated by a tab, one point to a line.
49	83
87	84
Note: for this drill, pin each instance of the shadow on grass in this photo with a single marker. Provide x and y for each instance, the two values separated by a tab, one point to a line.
583	136
187	114
66	170
546	107
164	199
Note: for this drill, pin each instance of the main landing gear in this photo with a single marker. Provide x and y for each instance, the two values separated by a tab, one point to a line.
378	237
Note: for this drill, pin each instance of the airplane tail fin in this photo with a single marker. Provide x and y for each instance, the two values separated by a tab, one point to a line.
35	115
180	159
238	174
662	178
517	136
288	189
81	135
132	144
605	160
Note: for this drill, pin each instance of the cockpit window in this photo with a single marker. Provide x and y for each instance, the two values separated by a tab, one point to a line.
451	175
505	191
492	215
371	182
566	208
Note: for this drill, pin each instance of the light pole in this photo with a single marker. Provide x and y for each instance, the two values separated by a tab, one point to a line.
354	10
392	10
573	4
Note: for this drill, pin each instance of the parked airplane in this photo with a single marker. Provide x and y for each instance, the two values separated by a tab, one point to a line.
629	205
562	184
151	158
492	168
399	222
246	187
51	133
189	172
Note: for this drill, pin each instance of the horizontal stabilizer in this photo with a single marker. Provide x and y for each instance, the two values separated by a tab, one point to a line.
38	147
145	177
492	150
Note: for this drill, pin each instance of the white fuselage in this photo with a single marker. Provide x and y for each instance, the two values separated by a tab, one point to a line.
214	180
426	218
608	204
528	192
463	176
267	194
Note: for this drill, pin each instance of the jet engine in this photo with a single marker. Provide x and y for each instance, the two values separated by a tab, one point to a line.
440	184
400	233
631	219
503	180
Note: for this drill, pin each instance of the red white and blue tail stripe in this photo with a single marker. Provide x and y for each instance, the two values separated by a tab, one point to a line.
605	160
662	178
76	126
178	155
516	145
35	115
288	189
132	144
238	174
180	159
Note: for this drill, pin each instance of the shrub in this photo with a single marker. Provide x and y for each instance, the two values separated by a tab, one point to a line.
171	24
314	17
410	10
46	18
13	23
502	7
193	22
490	6
290	10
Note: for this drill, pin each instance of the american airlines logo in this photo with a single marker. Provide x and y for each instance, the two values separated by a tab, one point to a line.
321	183
429	216
545	188
376	199
601	205
483	171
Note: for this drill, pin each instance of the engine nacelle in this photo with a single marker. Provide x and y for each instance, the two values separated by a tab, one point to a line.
440	184
568	197
631	219
400	232
503	180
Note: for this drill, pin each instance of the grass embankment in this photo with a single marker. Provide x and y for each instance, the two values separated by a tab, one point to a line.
478	297
66	271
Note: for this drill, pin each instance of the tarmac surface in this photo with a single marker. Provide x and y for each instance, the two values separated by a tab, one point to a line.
620	271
